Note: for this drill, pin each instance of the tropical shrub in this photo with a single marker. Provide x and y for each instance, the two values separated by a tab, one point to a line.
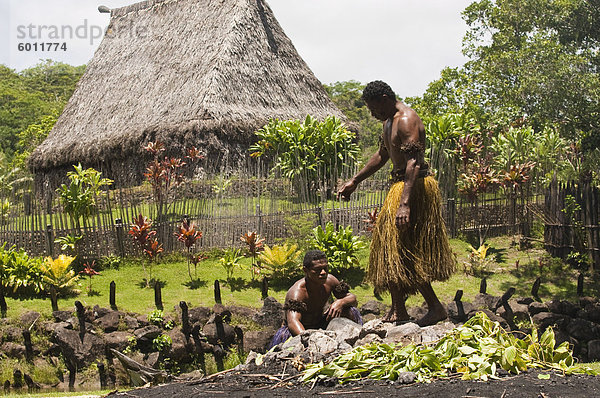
307	152
280	261
79	197
19	273
230	261
340	246
58	277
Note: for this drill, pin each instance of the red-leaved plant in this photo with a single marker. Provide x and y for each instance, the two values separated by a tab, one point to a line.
254	245
89	271
188	234
166	174
145	238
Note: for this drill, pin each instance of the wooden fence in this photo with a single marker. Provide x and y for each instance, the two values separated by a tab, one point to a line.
571	215
264	205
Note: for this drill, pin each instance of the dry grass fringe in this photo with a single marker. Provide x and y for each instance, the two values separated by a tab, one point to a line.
417	254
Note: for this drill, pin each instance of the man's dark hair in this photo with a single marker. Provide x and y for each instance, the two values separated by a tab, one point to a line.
377	89
311	256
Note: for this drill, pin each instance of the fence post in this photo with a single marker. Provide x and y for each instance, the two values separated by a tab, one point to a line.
158	296
260	221
185	319
112	296
265	288
452	216
50	240
217	292
119	229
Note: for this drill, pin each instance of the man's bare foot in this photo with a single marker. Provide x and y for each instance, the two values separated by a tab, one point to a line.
395	316
433	316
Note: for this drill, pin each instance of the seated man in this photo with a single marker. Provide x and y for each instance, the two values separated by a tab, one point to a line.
306	301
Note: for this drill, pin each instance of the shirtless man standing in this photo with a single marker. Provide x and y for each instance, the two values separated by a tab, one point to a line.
306	301
410	248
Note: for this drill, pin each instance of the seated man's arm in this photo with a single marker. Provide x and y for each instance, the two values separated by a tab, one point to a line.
294	309
344	298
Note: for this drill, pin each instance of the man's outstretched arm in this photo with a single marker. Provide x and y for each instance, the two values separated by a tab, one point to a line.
377	160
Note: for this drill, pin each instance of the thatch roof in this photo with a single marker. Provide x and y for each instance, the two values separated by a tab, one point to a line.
186	72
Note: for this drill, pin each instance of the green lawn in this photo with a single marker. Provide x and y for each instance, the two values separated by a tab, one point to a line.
557	281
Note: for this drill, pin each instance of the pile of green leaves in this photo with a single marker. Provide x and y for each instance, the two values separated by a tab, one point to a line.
340	246
476	350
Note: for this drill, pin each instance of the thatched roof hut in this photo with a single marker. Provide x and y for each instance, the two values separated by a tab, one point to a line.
206	73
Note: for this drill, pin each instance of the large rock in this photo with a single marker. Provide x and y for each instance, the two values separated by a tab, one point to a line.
198	314
258	340
408	333
458	311
79	353
99	312
130	322
593	350
346	330
219	333
62	316
435	332
545	319
29	318
583	330
117	340
11	333
181	348
372	307
563	307
109	322
485	301
537	307
147	333
368	339
13	350
271	314
321	343
376	326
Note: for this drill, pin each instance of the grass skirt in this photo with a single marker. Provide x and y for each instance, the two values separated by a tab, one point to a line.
417	254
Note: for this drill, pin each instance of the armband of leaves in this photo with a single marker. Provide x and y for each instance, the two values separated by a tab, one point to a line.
341	290
295	305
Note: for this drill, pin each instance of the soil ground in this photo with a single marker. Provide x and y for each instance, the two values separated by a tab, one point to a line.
243	384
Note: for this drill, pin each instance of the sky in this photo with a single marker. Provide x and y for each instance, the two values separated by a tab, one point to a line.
403	42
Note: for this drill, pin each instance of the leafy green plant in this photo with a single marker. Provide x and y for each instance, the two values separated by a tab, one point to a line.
476	350
79	197
230	261
307	151
280	261
57	276
162	343
131	345
340	246
18	271
156	317
5	207
479	262
68	244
